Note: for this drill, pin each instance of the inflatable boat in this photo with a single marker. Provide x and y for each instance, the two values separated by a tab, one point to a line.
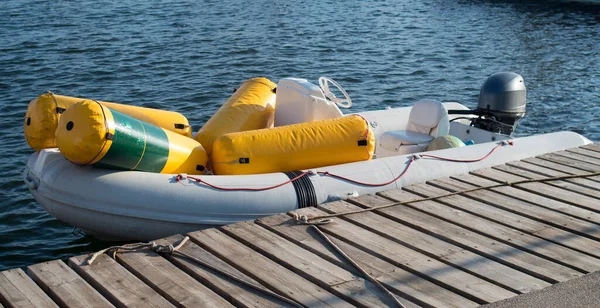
409	145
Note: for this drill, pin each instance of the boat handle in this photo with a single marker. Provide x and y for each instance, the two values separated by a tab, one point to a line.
30	183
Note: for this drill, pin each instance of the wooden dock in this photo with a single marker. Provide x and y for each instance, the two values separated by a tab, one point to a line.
462	250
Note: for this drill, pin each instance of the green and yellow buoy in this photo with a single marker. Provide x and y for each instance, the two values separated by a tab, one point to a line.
44	112
89	133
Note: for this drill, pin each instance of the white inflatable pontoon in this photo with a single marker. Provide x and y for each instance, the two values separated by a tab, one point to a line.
133	205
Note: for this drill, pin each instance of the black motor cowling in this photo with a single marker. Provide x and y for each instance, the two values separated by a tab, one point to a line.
502	101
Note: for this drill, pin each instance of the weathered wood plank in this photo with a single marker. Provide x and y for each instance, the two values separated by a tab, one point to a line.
546	173
567	184
475	216
18	290
390	250
550	165
117	284
235	292
585	152
168	280
396	279
540	211
579	157
270	274
64	286
515	220
459	257
559	190
410	215
352	288
509	173
592	147
557	211
535	199
570	162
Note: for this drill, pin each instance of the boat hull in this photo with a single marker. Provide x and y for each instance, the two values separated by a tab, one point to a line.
133	205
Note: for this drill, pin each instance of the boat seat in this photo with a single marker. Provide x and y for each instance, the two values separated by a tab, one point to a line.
428	119
299	101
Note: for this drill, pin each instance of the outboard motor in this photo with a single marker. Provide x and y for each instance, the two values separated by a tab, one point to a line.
502	101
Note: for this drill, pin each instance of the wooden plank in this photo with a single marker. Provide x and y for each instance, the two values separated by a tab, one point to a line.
168	280
396	279
117	284
487	177
592	147
410	215
547	173
235	292
432	269
270	274
540	200
544	189
352	288
592	189
18	290
547	213
579	157
64	286
524	201
570	162
585	152
511	219
546	164
474	216
446	252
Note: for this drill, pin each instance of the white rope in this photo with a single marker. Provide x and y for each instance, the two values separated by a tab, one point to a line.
304	220
130	247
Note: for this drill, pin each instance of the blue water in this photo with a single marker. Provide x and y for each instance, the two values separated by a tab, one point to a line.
188	56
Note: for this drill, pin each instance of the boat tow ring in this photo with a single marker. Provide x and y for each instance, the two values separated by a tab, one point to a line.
345	102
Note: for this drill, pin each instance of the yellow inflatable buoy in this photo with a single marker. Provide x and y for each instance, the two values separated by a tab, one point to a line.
44	112
251	107
294	147
90	133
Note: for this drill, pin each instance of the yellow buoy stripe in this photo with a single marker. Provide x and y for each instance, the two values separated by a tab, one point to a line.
144	149
109	123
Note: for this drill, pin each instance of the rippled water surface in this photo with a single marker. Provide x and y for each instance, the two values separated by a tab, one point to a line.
188	56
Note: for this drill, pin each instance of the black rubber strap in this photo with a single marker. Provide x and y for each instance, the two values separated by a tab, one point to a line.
305	191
